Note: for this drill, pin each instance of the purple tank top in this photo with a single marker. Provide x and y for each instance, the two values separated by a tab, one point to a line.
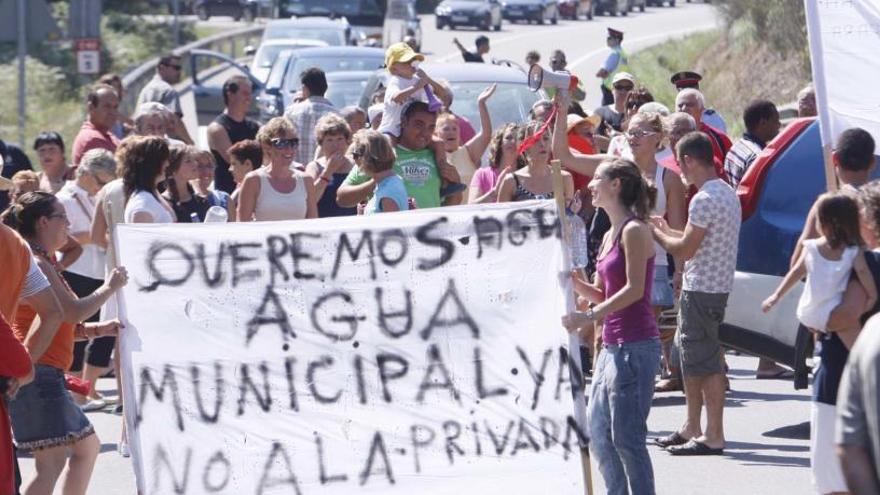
635	322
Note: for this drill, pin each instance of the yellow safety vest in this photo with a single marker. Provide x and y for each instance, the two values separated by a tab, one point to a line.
622	66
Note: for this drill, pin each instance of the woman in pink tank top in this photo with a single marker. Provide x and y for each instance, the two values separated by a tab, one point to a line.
623	383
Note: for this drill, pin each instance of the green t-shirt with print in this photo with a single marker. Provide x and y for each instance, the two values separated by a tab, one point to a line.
418	171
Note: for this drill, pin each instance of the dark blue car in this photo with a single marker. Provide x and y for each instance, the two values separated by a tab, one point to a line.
776	195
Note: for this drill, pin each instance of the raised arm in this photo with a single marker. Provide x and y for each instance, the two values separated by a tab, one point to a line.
78	309
582	164
478	144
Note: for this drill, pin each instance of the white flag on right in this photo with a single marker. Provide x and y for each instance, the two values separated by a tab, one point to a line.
844	43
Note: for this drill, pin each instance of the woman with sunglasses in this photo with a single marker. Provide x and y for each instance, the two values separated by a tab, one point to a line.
644	137
535	180
618	145
277	191
45	419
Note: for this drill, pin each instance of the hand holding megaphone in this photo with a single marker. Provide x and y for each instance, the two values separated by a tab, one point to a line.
540	78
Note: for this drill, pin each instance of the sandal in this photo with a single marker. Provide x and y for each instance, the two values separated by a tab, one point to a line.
668	385
694	448
783	374
670	440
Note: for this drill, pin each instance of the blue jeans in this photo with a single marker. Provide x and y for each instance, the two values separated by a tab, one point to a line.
620	400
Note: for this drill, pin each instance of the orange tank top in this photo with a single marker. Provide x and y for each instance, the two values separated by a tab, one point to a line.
60	351
15	259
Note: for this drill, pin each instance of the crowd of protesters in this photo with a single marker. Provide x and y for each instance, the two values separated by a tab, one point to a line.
654	187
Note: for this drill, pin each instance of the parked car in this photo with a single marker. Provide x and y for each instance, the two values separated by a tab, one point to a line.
610	7
283	80
538	11
333	32
481	14
208	71
345	88
237	9
365	16
511	102
575	9
401	20
773	217
632	5
265	56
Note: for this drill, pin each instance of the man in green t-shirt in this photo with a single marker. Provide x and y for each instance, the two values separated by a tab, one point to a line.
414	164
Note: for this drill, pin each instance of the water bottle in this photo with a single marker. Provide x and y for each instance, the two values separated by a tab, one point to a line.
216	214
578	241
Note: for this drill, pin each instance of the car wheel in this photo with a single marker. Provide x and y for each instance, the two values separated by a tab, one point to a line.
497	27
202	13
555	19
439	25
451	26
590	14
487	23
672	3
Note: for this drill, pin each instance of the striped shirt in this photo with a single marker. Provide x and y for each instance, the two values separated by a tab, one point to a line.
304	116
741	156
35	282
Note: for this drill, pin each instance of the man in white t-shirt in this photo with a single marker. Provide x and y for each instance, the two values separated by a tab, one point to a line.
709	245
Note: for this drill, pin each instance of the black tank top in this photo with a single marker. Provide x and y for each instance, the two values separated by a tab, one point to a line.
238	131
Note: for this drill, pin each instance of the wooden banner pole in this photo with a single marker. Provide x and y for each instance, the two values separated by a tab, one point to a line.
574	341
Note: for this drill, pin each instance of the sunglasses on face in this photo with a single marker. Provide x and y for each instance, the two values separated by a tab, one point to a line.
623	87
281	143
173	66
639	134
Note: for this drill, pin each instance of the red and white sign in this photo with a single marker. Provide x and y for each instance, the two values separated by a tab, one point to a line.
88	55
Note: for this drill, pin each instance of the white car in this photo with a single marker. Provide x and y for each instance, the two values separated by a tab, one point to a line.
269	49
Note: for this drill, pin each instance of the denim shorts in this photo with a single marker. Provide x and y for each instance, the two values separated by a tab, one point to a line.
661	290
44	414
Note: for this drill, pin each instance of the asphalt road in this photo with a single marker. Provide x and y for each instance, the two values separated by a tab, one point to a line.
582	41
766	424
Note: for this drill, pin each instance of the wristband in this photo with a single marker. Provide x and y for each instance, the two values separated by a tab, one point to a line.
591	314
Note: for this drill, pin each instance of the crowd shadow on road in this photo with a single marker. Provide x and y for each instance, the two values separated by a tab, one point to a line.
746	453
800	431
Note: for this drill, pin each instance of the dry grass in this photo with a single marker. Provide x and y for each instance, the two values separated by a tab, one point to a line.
737	68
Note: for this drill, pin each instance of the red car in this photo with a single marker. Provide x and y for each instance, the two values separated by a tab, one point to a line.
574	9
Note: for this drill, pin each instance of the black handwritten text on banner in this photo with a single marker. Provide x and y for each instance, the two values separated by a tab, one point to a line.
400	353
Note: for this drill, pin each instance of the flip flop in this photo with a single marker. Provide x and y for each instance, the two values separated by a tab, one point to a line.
694	448
668	385
670	440
782	374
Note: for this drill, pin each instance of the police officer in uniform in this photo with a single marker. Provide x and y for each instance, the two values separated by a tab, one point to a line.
690	79
617	61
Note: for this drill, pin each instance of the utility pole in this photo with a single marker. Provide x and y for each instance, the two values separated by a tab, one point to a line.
22	55
176	23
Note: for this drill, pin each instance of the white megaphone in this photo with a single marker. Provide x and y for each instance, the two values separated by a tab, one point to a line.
541	78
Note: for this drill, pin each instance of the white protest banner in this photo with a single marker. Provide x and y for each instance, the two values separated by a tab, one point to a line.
402	353
844	42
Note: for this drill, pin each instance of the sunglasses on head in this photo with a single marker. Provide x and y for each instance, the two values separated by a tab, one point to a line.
281	143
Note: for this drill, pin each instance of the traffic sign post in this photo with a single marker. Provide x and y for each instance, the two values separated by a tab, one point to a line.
88	55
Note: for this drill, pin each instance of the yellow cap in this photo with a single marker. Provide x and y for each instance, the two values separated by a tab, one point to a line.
401	52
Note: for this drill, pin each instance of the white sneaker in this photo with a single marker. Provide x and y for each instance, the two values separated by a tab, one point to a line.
93	405
122	448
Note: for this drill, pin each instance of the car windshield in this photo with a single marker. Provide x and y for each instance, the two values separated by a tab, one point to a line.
328	64
267	54
510	103
358	12
345	93
332	37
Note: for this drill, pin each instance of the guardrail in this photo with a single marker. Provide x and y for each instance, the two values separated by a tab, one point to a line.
230	43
